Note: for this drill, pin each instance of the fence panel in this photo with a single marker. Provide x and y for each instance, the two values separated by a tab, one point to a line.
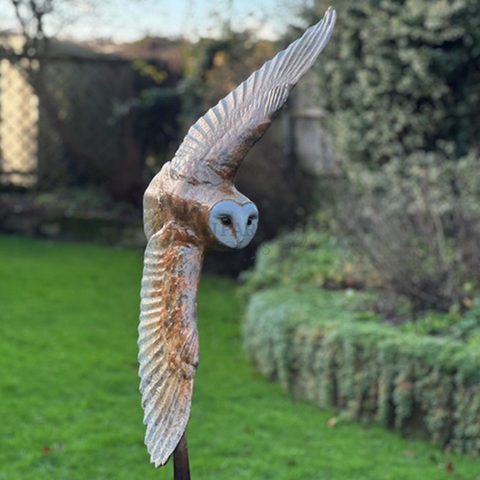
62	122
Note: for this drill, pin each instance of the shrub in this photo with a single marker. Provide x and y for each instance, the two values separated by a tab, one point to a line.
401	76
468	328
367	370
418	221
313	256
464	327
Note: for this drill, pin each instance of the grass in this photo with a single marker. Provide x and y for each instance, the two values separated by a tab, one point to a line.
69	401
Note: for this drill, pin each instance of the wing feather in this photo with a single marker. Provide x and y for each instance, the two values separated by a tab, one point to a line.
168	340
231	126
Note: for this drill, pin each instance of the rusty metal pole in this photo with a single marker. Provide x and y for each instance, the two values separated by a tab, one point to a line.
181	467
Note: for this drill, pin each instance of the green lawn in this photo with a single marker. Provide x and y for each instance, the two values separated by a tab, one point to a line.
69	402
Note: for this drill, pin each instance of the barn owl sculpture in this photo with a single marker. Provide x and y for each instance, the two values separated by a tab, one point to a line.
190	206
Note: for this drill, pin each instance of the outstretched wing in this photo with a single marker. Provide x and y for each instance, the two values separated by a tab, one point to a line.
168	340
215	146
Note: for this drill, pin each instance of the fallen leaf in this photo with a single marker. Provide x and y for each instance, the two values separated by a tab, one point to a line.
46	449
332	422
409	453
449	468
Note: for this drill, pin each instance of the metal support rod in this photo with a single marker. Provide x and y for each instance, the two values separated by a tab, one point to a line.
181	467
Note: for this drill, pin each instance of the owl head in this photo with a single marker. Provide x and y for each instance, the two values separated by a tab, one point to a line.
233	224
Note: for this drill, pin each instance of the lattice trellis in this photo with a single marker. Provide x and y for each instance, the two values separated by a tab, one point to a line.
58	119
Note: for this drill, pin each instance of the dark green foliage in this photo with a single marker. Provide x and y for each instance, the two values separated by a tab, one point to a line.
401	76
465	327
156	107
468	327
367	370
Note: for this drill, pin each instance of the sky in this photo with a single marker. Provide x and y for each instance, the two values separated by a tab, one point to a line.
129	20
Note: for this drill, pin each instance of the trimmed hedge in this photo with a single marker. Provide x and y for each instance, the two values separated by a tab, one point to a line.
367	370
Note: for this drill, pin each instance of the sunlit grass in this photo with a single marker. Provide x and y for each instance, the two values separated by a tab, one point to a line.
69	401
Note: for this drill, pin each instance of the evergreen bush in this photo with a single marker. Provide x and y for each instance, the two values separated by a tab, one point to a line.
402	76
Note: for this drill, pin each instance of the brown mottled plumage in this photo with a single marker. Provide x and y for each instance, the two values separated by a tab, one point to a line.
181	225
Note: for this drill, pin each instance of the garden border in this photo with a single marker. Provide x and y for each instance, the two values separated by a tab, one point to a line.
415	384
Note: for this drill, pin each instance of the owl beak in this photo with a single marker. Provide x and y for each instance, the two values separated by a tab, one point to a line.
247	233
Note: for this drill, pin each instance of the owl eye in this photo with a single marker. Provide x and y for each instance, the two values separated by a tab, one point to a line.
226	220
250	219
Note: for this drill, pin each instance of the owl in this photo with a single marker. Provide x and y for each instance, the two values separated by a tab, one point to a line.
191	206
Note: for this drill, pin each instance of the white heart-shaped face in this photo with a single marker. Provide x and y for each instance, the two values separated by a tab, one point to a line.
232	224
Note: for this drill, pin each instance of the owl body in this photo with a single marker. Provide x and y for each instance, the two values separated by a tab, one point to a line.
191	206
